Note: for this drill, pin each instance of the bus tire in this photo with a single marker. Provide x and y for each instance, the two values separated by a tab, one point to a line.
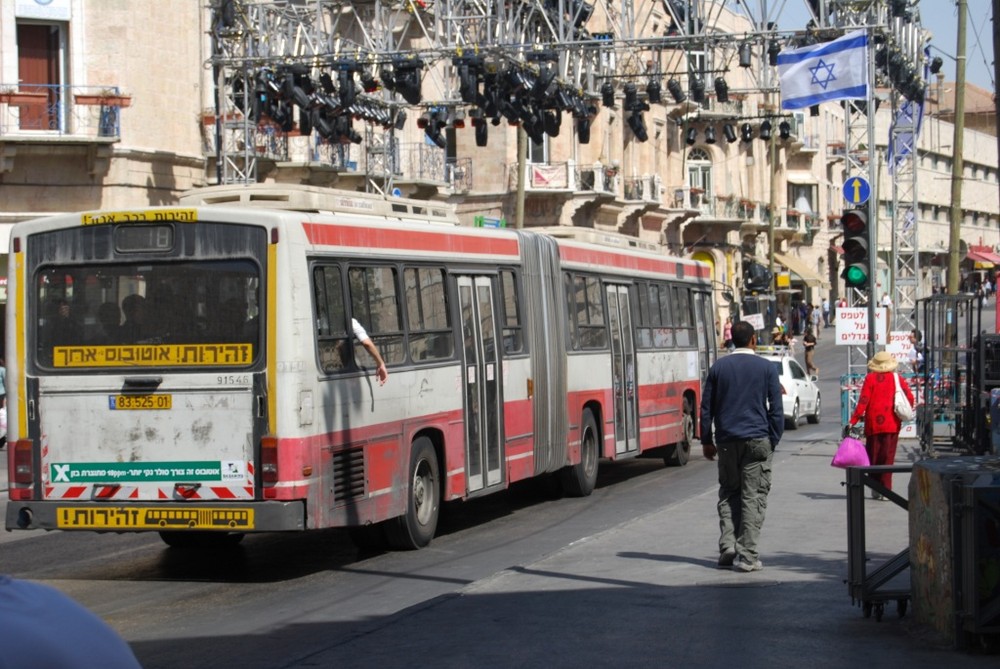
679	453
200	540
580	479
415	528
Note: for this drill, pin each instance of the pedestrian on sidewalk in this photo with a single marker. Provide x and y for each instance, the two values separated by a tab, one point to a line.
742	422
809	344
875	408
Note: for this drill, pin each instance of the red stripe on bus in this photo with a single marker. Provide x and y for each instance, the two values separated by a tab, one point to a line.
74	492
408	240
602	258
223	493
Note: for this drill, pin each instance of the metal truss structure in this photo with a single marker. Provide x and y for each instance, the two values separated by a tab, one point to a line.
898	50
640	41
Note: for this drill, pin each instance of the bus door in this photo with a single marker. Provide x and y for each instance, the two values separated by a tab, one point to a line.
705	331
481	375
623	370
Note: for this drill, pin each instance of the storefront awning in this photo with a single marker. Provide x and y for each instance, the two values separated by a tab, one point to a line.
800	177
798	267
981	260
990	256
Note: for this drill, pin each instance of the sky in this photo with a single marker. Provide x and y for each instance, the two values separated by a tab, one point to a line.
941	18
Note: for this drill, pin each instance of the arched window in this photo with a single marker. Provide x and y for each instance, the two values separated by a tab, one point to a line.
700	178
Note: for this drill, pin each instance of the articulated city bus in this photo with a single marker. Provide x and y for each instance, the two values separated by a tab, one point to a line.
192	370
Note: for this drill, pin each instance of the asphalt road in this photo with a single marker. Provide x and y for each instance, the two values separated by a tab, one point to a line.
306	599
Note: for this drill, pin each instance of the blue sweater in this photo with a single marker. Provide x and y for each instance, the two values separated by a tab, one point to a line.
742	397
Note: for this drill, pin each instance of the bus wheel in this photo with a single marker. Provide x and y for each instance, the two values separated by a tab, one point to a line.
201	540
680	453
579	480
416	527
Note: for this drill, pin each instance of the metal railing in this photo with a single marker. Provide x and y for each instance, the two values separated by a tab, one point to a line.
37	111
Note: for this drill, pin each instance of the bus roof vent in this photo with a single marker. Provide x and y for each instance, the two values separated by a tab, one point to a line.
591	236
300	197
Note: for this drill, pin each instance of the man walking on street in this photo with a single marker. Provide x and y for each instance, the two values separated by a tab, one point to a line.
742	421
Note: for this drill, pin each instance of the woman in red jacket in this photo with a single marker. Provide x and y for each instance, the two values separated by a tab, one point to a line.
875	408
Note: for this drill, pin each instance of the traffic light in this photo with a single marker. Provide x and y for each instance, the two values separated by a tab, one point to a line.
857	257
756	277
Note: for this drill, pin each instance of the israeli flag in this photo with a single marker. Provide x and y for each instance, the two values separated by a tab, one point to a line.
836	70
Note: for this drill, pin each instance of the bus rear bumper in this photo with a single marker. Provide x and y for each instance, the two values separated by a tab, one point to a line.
156	516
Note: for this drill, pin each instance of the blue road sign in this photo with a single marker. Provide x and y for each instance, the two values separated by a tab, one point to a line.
857	190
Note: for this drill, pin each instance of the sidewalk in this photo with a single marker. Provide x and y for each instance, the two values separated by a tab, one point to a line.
649	593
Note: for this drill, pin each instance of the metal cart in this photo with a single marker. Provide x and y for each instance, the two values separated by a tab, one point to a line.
873	589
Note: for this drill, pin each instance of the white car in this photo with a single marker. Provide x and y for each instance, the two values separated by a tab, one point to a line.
799	392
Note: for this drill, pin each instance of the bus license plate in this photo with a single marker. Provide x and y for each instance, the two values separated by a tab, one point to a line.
140	401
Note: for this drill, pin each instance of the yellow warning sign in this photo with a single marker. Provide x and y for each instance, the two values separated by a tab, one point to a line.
153	355
144	216
153	518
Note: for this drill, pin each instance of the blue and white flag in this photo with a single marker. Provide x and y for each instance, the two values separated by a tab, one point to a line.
836	70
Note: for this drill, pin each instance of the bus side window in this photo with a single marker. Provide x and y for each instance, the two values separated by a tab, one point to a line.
513	341
375	303
331	327
427	318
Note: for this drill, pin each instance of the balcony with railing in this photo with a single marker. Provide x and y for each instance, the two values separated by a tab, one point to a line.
39	113
646	189
600	179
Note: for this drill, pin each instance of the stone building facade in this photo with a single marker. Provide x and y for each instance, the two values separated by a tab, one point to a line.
124	115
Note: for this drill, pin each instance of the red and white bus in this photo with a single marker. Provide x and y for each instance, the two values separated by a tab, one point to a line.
191	370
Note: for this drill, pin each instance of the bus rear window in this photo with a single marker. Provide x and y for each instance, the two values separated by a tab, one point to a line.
178	314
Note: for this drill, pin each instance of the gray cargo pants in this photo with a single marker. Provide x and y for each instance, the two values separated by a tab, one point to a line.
744	481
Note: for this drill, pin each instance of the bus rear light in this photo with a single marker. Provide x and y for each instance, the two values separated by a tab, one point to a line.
24	470
269	459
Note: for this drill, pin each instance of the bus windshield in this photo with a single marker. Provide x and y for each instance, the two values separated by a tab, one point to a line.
100	315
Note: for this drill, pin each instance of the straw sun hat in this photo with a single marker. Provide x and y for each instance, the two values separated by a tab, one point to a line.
882	362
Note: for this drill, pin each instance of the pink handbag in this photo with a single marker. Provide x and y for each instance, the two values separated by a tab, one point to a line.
850	453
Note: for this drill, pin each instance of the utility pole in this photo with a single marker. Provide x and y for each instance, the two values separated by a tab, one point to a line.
996	77
957	163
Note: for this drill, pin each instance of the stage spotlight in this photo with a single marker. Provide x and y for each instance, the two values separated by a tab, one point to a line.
631	96
729	132
936	64
746	132
773	49
654	91
765	130
710	134
368	82
698	89
638	126
746	54
692	136
583	130
482	129
678	94
607	94
784	130
721	90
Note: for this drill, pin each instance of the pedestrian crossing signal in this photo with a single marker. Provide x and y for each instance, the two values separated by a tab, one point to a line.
857	256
